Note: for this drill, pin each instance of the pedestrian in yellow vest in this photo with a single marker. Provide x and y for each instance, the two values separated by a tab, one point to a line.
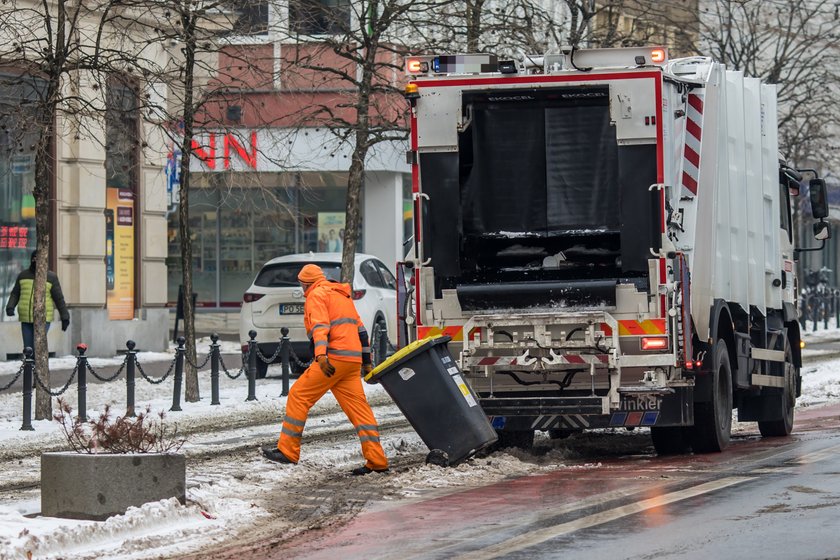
23	295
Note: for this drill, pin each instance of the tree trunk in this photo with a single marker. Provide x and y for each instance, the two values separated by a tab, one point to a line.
191	389
356	179
41	192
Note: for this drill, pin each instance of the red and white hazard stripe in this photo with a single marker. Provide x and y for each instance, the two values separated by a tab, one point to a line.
693	136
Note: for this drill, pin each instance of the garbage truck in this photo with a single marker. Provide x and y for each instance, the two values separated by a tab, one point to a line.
607	237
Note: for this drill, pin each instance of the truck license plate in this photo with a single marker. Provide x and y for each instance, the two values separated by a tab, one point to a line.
291	308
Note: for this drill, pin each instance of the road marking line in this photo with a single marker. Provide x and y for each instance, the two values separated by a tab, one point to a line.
553	512
817	456
541	535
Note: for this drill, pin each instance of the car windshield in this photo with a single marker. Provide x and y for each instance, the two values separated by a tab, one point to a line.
285	274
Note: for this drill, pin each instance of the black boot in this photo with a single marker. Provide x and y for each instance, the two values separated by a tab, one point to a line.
274	454
364	469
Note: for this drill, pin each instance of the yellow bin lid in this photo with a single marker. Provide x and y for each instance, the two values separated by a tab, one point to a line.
403	353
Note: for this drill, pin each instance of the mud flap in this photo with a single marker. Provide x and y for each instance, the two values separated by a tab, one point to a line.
676	409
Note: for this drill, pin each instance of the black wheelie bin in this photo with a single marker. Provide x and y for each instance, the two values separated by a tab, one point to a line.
427	386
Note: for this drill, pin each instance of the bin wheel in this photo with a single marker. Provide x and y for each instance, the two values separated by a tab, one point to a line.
437	457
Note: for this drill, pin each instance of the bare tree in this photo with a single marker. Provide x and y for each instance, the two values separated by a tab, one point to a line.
207	67
57	56
790	43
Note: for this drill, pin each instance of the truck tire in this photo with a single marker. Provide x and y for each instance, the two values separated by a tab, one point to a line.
379	342
713	420
671	440
521	439
783	426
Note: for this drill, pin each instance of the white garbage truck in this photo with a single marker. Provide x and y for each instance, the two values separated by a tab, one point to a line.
606	237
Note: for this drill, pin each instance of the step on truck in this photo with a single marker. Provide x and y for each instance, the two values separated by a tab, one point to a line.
606	237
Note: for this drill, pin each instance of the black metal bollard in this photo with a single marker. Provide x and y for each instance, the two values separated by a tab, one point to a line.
81	365
179	374
284	360
28	364
214	369
130	365
252	366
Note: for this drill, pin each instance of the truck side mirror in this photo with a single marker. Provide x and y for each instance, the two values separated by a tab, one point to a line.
822	231
819	201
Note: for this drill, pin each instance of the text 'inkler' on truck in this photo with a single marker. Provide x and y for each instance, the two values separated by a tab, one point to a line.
606	237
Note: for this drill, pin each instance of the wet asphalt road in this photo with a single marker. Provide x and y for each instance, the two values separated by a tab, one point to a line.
774	498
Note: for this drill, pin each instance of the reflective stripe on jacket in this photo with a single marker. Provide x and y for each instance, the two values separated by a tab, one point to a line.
332	322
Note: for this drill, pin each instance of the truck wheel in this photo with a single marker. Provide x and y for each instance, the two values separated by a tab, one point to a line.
521	439
783	426
713	420
561	433
670	440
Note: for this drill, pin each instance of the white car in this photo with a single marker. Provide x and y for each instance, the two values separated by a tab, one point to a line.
275	300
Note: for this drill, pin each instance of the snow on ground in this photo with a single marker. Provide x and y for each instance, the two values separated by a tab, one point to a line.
226	495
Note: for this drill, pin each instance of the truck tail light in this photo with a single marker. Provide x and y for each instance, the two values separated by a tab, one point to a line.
249	297
658	56
654	343
358	294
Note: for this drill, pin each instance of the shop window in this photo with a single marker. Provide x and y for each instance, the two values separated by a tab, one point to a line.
18	137
122	133
319	17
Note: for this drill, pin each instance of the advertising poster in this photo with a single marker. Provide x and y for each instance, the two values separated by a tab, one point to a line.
331	232
119	253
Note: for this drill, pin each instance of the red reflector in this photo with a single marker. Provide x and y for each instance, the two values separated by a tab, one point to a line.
249	297
358	294
654	343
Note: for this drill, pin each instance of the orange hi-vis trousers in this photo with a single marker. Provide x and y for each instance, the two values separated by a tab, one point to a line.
346	386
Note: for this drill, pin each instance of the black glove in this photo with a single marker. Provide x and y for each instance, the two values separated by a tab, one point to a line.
10	312
326	366
64	324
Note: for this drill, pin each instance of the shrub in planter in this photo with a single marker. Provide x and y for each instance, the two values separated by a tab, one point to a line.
115	463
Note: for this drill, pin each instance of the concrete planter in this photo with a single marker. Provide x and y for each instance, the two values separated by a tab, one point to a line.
97	486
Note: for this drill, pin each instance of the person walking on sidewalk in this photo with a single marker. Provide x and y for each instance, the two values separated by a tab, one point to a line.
341	350
23	296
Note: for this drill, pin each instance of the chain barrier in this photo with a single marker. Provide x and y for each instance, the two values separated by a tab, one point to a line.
12	382
242	369
151	379
107	379
197	366
262	357
298	361
63	389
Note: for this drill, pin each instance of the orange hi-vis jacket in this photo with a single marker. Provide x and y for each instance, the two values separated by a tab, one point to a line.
333	324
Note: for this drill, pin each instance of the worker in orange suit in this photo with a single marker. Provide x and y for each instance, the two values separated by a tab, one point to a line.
341	349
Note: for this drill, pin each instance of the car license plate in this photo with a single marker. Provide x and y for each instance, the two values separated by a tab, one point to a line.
291	308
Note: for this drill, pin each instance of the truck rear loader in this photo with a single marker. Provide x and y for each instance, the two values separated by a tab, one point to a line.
606	236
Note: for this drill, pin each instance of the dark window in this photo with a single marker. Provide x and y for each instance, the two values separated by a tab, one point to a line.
784	209
250	17
121	132
371	274
390	281
319	17
282	275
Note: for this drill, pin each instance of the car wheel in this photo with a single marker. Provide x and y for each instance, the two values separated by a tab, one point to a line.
262	368
379	342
